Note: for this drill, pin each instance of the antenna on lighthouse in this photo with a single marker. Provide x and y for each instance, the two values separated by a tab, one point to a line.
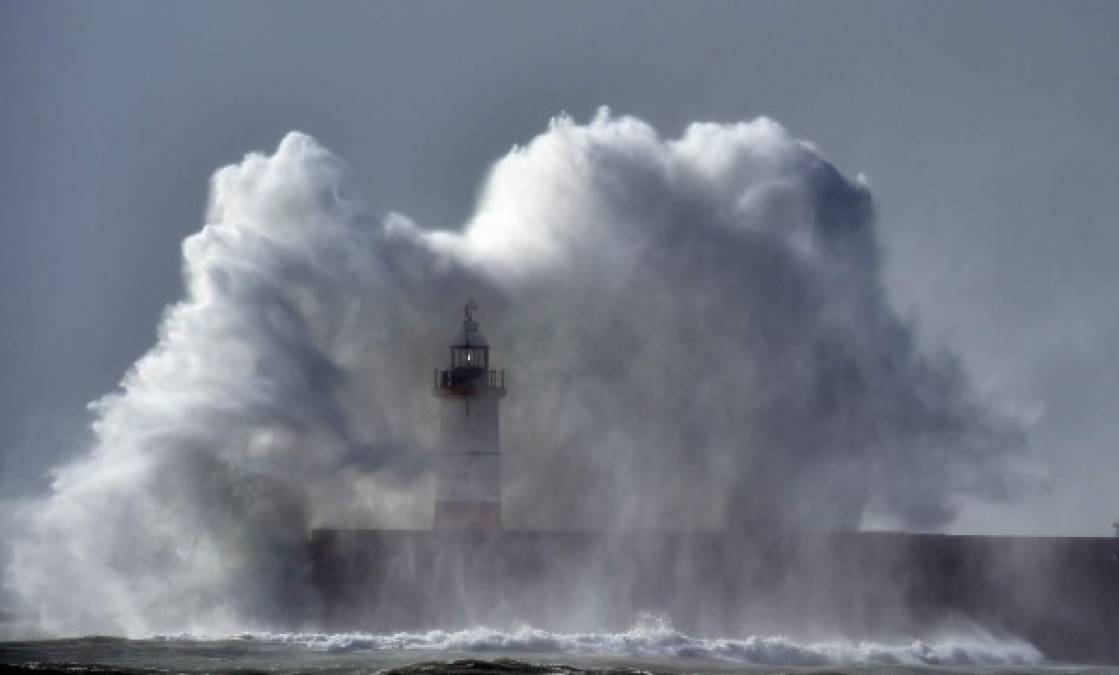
469	325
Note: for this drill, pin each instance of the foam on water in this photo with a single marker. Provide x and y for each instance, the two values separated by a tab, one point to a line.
657	639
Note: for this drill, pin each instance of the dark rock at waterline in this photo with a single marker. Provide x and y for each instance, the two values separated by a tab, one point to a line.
498	667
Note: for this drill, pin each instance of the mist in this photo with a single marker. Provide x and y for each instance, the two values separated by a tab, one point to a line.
694	331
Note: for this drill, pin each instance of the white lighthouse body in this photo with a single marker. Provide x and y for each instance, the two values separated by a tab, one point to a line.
468	466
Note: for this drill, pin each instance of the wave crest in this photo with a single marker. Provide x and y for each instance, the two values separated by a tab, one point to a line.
658	639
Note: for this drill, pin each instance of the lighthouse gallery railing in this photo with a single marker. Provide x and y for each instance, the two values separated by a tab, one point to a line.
445	379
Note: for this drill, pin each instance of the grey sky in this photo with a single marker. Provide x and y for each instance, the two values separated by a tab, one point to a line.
987	132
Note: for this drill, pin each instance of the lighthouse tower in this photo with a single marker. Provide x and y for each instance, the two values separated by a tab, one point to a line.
468	466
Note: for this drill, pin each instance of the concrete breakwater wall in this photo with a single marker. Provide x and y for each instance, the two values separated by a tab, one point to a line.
1061	594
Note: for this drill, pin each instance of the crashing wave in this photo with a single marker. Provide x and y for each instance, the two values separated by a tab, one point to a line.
657	639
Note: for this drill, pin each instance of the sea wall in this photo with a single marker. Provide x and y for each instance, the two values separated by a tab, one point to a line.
1061	594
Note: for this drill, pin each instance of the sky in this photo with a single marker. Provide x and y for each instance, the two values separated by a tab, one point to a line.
986	132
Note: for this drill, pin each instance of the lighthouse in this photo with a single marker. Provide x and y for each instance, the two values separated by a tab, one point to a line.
468	465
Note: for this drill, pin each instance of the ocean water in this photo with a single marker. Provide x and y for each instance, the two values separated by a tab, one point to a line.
647	647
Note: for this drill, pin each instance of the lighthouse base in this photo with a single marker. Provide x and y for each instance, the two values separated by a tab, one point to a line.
454	515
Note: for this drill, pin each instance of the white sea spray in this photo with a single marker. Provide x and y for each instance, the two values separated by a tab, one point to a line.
695	331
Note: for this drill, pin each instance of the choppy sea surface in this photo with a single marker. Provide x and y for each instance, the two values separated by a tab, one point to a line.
643	648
